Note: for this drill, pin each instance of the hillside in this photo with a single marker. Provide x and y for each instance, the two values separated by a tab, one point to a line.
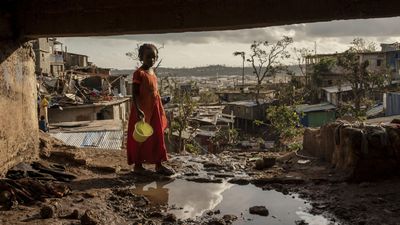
213	70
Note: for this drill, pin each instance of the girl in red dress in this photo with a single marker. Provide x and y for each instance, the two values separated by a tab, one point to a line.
147	104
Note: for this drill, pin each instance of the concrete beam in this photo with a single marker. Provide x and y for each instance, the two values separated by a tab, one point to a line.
41	18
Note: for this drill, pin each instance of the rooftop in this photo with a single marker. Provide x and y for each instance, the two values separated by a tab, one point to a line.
248	103
314	108
336	89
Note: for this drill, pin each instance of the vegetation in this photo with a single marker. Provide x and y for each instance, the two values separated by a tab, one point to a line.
362	79
208	97
224	138
285	121
266	59
322	67
185	109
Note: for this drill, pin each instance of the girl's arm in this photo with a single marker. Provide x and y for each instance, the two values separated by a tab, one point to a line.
135	94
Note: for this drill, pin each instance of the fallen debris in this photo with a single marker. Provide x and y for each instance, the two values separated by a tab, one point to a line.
259	210
27	191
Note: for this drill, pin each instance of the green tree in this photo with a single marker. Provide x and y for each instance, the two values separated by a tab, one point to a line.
208	97
362	79
301	55
285	122
185	109
322	67
267	59
224	137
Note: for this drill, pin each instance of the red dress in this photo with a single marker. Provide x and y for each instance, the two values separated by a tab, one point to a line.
153	150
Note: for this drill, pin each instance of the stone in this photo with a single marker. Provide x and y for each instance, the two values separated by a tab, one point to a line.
300	222
216	221
229	218
205	180
72	216
239	181
259	164
156	214
170	218
396	121
269	162
5	197
259	210
48	211
89	218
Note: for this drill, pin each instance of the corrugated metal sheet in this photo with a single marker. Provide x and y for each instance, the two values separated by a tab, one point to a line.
92	139
314	108
392	104
375	111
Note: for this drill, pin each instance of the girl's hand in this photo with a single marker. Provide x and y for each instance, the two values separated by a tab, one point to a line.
140	114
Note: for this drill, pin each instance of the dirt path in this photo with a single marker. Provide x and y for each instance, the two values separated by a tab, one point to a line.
103	194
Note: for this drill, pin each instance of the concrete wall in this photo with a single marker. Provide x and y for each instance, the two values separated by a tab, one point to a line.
18	111
73	114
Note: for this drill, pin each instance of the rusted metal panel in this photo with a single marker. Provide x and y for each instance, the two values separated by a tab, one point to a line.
94	139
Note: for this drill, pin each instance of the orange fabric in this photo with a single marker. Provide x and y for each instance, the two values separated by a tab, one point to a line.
153	150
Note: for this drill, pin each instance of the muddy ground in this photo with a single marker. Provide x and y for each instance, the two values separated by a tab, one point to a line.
102	193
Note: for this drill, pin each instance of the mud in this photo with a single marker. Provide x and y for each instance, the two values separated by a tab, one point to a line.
293	192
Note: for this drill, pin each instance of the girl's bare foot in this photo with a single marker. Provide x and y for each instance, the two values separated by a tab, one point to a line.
164	170
138	168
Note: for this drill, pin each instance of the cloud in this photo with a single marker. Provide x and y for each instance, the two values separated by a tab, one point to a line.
215	47
382	27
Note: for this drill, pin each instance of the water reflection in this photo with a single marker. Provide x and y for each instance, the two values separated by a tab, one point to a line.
193	199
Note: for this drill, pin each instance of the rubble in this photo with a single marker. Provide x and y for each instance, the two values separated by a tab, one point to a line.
356	148
259	210
89	218
28	190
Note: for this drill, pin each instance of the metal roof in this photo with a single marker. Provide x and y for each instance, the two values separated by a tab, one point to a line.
375	110
248	103
92	139
336	89
314	108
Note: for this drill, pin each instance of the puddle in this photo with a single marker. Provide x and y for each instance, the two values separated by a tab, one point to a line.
189	200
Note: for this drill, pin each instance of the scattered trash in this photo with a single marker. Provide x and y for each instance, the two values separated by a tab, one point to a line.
303	161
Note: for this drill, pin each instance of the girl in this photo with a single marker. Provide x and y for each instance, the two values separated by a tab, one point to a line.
147	104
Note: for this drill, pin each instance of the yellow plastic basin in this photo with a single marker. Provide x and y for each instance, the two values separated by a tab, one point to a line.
142	131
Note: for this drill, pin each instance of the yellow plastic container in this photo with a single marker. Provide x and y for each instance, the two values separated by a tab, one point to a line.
142	131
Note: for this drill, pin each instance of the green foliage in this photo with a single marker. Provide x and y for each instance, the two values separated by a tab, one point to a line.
192	149
363	80
294	146
208	97
224	138
258	122
266	59
323	66
185	108
285	121
348	109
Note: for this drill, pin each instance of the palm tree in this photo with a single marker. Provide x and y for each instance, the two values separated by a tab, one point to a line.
243	59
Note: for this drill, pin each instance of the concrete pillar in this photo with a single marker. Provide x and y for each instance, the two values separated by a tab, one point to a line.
18	105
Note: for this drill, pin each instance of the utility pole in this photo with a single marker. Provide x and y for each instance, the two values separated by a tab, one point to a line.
315	47
243	70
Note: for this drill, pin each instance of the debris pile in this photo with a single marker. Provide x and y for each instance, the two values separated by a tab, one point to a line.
76	87
28	183
361	150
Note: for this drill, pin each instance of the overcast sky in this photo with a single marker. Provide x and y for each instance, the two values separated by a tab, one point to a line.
209	48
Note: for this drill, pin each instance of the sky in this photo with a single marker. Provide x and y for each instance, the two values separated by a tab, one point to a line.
193	49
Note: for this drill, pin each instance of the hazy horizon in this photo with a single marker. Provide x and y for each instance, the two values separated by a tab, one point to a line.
197	49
